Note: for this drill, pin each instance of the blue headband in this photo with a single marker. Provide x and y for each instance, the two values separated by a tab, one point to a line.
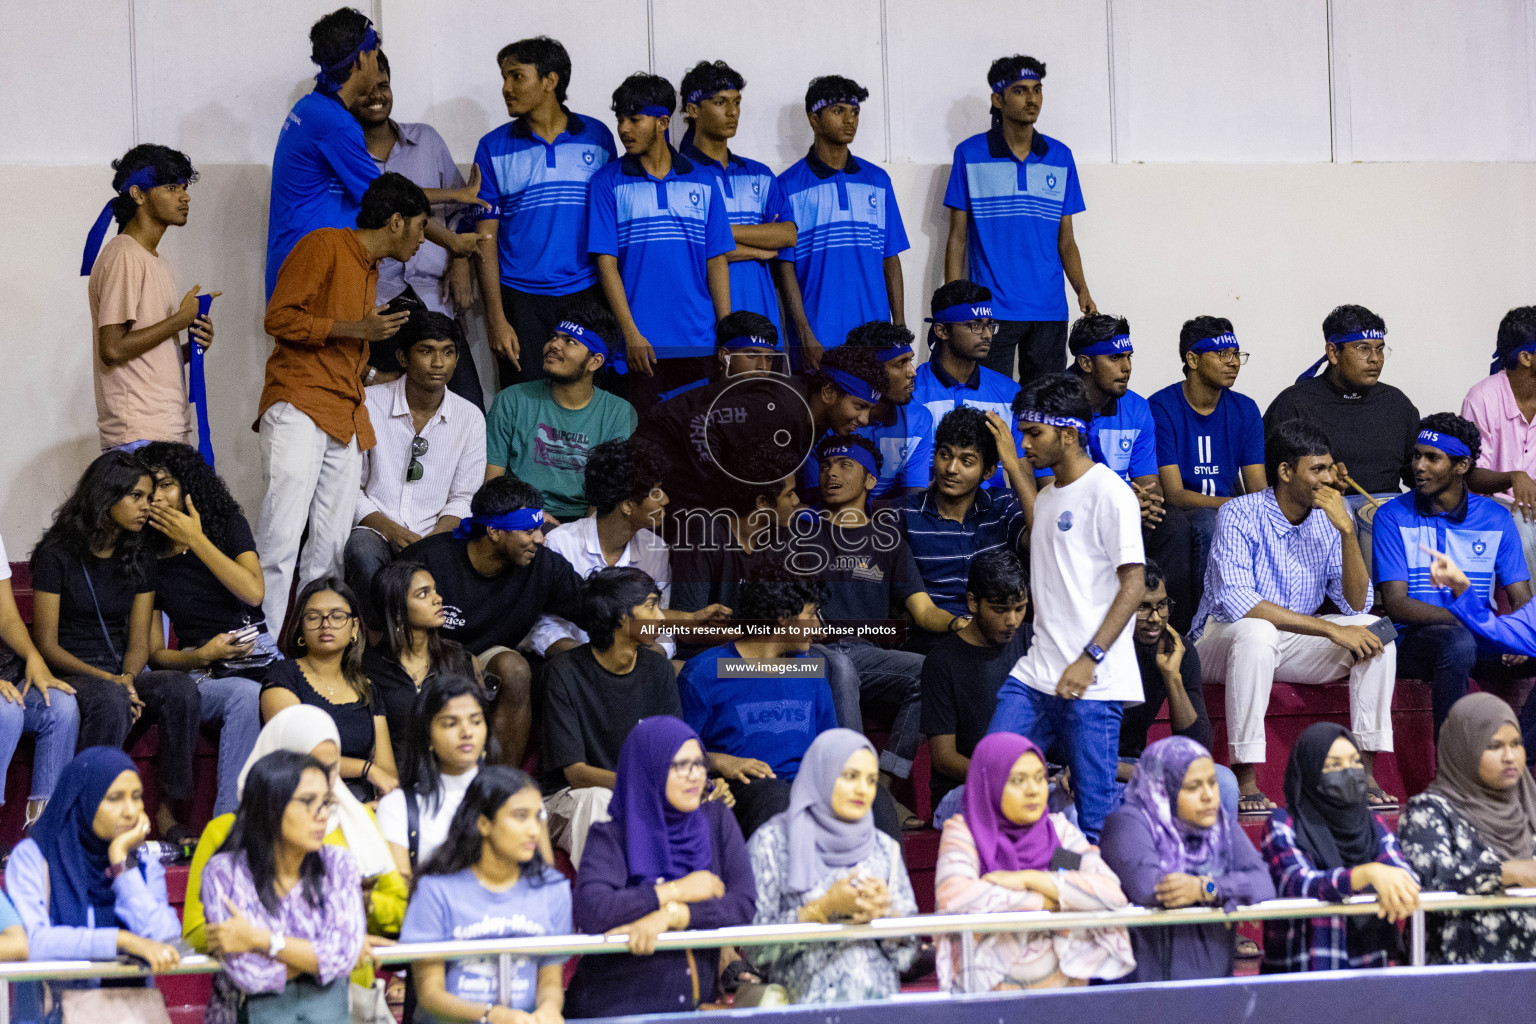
819	105
851	451
852	385
653	110
1446	443
750	341
1024	75
1032	416
1512	360
1216	344
145	178
332	78
517	519
885	355
962	313
1119	345
1340	339
589	338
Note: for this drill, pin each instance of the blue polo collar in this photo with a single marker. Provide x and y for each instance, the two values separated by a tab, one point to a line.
574	125
997	146
692	153
821	170
942	376
630	165
1427	509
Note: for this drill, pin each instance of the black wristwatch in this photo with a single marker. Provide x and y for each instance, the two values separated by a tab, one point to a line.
1094	652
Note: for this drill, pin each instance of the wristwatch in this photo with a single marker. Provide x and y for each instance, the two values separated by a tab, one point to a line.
275	944
1209	886
1095	652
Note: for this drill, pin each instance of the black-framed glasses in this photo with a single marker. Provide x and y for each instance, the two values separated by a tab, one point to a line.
414	470
688	769
1231	355
335	618
316	806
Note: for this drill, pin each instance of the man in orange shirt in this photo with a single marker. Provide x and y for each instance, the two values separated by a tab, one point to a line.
312	420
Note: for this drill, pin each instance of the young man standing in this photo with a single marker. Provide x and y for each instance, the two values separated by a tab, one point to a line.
321	167
312	418
1275	556
542	430
1086	581
1477	533
844	268
901	429
659	234
1503	406
136	320
1012	194
437	436
963	672
761	222
534	173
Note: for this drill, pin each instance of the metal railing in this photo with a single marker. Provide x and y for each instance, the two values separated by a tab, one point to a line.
508	950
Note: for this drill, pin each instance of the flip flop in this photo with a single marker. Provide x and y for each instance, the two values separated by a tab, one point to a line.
1380	800
1255	803
1247	949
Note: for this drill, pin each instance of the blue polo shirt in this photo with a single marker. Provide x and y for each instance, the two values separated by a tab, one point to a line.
752	196
538	195
943	548
848	224
320	170
905	442
938	392
1127	437
1210	451
773	719
1480	536
663	232
1015	212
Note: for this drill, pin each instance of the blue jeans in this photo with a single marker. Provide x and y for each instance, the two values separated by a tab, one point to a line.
1089	731
1446	654
856	671
56	725
235	703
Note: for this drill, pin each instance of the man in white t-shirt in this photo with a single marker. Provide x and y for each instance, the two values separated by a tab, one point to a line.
1085	583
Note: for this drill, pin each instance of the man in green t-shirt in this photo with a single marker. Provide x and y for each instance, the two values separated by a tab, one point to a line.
541	431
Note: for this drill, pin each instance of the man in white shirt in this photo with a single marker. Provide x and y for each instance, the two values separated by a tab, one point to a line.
1086	583
428	460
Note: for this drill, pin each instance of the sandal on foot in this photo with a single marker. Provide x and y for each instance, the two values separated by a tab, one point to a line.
1380	800
736	974
1255	803
1247	949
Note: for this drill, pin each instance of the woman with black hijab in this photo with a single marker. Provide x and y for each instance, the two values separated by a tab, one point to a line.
1327	844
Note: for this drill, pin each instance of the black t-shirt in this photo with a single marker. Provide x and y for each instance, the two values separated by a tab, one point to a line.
588	711
960	683
869	570
354	721
1372	431
487	611
394	691
1137	720
99	641
199	606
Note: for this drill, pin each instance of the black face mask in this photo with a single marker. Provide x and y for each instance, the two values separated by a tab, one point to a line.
1343	788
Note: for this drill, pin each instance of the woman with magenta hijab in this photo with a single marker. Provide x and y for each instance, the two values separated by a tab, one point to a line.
824	861
1172	845
666	861
1005	852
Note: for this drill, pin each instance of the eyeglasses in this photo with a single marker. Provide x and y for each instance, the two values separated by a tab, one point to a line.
331	618
688	769
1365	350
980	327
317	806
1229	356
414	471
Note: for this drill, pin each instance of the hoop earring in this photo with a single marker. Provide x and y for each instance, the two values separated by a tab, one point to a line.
298	641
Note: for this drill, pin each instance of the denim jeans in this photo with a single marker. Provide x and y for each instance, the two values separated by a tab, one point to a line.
56	725
365	554
1089	731
1446	655
865	671
235	703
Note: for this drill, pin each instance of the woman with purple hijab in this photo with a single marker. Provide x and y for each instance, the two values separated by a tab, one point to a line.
1005	852
1173	845
667	860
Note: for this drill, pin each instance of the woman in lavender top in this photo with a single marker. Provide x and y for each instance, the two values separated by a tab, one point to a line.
77	882
285	910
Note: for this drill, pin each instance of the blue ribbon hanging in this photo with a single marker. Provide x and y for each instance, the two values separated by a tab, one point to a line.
198	386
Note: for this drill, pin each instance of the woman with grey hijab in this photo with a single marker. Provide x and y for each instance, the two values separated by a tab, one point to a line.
823	861
1473	831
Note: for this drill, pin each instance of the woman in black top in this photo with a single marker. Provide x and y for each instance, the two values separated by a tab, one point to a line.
93	595
324	645
210	586
412	649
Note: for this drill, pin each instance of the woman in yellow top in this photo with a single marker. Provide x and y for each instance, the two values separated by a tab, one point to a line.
303	729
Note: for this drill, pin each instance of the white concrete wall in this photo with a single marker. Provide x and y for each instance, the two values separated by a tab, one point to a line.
1237	159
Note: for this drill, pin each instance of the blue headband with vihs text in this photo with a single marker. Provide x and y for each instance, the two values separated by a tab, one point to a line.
1216	344
332	78
1369	334
517	519
850	451
145	178
960	313
885	355
1024	75
1119	345
586	336
852	385
749	341
1445	442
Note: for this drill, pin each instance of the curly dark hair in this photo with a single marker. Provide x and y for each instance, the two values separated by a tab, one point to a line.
1462	430
217	508
622	470
84	521
857	362
833	89
170	165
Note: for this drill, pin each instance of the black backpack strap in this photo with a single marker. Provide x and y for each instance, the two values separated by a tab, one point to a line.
412	827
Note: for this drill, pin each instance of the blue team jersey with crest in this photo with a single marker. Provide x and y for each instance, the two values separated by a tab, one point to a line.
752	196
1480	536
1127	438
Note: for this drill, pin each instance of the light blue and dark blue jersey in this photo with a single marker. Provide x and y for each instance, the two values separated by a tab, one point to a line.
905	442
538	195
1126	436
752	196
663	232
1015	212
848	224
988	390
1210	451
1479	535
773	718
320	170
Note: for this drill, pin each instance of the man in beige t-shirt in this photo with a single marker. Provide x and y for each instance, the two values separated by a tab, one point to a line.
136	320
